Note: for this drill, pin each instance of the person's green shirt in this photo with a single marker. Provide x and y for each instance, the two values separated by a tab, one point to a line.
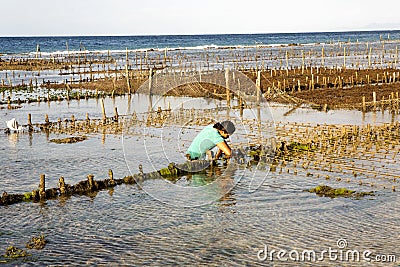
207	139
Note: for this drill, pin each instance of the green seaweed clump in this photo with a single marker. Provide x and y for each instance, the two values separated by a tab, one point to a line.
296	146
27	196
286	148
14	252
327	191
38	242
171	170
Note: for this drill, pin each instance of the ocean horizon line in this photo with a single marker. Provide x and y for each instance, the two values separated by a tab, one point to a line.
200	34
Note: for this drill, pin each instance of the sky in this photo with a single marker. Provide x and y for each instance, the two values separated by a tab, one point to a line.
158	17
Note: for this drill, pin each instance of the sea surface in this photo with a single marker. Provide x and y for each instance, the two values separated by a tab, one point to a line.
52	44
244	219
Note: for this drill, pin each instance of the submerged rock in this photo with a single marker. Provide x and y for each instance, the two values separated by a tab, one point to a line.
69	140
327	191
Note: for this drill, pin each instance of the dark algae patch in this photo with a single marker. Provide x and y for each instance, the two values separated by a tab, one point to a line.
327	191
13	253
36	242
69	140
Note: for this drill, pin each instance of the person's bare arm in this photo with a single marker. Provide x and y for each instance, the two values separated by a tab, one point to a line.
223	148
218	154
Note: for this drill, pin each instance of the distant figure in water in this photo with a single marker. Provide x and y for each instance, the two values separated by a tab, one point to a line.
208	138
13	126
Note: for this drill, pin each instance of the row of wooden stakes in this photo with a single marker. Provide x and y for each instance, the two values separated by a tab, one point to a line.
90	185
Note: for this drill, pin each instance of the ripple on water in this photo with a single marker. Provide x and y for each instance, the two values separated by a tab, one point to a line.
130	227
23	164
127	226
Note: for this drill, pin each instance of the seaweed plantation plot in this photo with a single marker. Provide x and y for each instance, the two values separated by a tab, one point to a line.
96	168
316	74
358	155
365	155
294	157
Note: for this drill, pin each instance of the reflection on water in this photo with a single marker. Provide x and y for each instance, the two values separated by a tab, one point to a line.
13	139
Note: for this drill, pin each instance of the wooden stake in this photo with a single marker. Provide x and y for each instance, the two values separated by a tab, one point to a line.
127	71
111	176
127	79
228	96
287	60
46	120
344	57
42	188
37	50
30	127
90	178
103	111
116	114
61	186
374	99
369	57
363	104
150	80
258	85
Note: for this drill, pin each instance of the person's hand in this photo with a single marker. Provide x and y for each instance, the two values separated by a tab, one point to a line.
226	157
218	154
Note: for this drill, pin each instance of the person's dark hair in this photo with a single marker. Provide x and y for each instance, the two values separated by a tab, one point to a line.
226	126
219	126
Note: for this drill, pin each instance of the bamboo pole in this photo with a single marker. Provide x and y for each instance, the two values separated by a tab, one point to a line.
369	57
150	80
111	177
344	57
363	104
42	187
103	111
165	57
37	51
116	116
227	90
128	84
30	127
374	99
258	85
61	186
287	60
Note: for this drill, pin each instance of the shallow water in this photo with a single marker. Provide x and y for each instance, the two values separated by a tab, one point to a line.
128	227
139	103
156	223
